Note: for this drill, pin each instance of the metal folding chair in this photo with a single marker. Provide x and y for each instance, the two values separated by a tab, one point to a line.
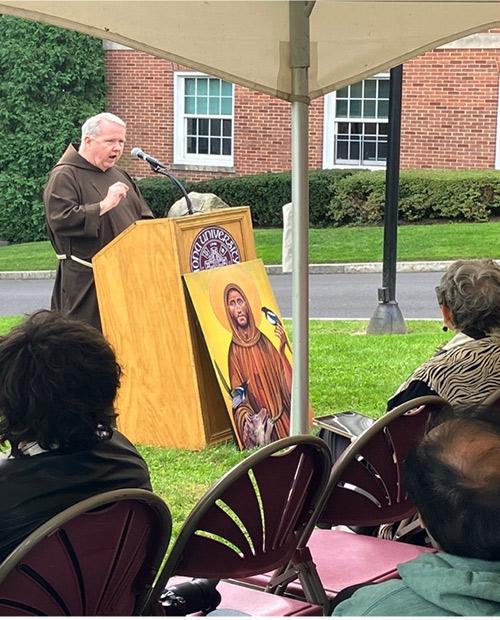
365	488
96	558
252	520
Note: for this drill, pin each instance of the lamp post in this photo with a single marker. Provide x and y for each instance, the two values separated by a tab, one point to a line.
387	318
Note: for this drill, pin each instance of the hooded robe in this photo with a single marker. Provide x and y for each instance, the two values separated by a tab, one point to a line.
253	358
75	227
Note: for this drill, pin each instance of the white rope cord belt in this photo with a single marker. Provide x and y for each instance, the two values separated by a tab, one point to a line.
75	258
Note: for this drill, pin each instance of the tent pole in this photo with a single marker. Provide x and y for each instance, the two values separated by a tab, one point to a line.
299	63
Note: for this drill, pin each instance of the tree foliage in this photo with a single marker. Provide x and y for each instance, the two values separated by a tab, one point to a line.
51	80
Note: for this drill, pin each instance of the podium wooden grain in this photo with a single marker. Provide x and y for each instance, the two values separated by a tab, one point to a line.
169	395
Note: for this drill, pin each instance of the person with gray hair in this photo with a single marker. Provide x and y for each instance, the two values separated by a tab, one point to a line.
467	368
88	202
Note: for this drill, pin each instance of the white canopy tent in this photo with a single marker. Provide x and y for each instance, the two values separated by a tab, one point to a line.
294	50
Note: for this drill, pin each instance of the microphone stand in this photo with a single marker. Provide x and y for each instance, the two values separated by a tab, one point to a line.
161	170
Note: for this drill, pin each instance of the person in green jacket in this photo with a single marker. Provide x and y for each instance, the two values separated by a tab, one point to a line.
453	477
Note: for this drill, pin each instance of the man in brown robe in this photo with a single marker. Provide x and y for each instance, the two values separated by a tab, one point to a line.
265	374
88	202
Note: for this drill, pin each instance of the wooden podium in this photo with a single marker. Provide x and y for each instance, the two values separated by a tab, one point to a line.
169	394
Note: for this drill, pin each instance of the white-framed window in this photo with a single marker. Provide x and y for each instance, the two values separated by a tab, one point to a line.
356	123
203	120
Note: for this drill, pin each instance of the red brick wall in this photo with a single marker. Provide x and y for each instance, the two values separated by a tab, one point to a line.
450	100
140	90
450	103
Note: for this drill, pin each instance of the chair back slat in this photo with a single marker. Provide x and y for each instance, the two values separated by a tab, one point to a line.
366	486
101	561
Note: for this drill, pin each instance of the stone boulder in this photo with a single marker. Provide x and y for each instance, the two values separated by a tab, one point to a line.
201	203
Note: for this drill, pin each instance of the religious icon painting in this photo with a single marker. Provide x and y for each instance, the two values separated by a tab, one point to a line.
249	348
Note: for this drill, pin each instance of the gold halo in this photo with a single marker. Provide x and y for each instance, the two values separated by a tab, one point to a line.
223	276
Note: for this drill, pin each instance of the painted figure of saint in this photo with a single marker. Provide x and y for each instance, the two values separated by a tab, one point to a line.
259	374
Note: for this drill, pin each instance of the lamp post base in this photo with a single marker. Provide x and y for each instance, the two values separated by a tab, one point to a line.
387	319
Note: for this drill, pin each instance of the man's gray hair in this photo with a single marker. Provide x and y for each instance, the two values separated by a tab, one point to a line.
92	126
471	291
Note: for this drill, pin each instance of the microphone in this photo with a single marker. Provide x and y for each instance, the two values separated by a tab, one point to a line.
137	152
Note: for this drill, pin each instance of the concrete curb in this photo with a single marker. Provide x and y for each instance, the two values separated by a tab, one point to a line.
402	267
315	268
27	275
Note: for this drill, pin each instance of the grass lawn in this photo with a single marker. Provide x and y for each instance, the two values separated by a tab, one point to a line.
349	370
327	245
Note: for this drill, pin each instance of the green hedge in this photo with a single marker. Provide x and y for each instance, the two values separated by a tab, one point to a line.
349	197
264	193
51	80
471	196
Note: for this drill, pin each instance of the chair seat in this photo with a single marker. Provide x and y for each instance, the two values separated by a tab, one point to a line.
344	559
258	603
248	600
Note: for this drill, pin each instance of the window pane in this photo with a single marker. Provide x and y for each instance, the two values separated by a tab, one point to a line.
227	89
342	108
202	86
383	109
369	151
343	92
203	126
371	128
201	105
226	105
214	105
354	154
355	108
189	105
191	145
215	146
203	146
226	128
356	89
214	88
342	149
356	128
343	127
191	126
215	127
383	89
382	151
371	88
382	129
226	146
369	108
190	86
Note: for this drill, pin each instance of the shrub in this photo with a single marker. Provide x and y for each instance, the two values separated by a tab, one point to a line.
51	80
264	193
424	195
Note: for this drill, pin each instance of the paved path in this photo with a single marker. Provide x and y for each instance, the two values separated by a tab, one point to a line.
352	295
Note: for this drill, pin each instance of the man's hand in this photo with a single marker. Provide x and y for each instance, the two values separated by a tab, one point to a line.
116	192
279	330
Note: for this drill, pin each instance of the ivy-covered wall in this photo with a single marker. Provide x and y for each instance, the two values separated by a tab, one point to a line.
51	80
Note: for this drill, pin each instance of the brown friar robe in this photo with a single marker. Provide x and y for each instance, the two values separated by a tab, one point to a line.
253	359
72	196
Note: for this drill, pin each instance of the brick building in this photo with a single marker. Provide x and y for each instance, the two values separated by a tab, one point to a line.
206	127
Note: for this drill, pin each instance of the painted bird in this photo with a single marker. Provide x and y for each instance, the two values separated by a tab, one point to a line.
271	316
274	319
237	394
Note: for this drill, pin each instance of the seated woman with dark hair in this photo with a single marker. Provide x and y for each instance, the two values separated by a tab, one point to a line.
467	368
58	382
